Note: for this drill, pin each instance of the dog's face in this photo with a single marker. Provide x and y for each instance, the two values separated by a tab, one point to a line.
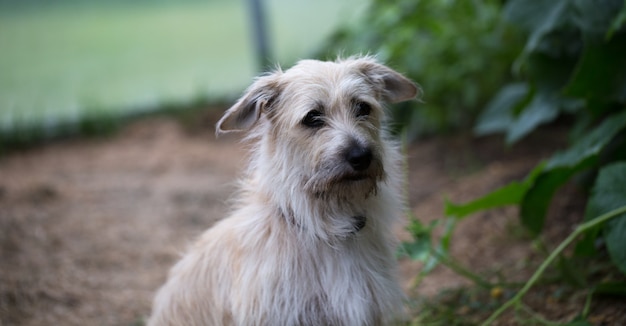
321	122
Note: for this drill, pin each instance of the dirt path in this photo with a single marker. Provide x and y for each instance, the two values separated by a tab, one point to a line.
88	228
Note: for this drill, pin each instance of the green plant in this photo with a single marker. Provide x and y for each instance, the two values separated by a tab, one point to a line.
574	64
458	50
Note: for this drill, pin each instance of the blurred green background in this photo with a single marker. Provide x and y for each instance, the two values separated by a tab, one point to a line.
66	61
494	66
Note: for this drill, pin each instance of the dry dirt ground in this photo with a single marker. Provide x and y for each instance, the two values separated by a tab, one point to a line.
89	227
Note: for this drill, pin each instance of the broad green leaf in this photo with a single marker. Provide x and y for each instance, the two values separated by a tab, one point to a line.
510	194
537	17
548	75
615	235
541	109
591	144
532	15
594	18
536	201
618	22
562	166
601	73
609	193
587	245
499	113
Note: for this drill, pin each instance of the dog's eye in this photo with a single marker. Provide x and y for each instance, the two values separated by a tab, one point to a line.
363	109
313	119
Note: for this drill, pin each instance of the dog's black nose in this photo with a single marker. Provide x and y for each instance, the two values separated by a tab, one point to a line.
359	157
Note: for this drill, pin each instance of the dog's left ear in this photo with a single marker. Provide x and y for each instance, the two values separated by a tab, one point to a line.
247	111
394	86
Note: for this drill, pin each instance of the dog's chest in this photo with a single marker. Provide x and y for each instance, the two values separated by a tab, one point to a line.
329	288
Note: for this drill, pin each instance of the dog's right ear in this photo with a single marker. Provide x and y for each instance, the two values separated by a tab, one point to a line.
247	111
393	85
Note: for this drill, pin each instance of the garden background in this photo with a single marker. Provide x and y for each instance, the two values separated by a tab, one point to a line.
516	155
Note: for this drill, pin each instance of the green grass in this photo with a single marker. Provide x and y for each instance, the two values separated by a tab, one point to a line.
65	62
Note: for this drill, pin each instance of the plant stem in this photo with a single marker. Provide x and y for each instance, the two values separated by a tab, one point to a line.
538	318
585	312
579	230
457	268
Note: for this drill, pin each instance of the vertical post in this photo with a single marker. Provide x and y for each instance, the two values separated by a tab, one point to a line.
259	34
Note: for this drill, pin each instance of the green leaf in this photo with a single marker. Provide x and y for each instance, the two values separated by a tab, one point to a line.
540	110
535	193
562	166
533	15
536	201
611	288
587	245
416	250
537	17
594	18
510	194
421	246
618	22
548	75
615	237
499	112
590	145
446	237
609	193
601	73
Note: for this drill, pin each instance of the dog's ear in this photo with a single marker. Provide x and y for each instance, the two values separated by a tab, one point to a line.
247	111
394	86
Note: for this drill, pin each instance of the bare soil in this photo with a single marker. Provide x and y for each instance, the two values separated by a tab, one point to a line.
90	227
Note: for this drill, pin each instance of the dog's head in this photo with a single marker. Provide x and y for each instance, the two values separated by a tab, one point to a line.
320	123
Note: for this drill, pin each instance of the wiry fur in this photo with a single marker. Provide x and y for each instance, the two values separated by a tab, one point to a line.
290	253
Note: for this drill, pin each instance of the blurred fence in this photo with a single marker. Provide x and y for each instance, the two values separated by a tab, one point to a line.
66	61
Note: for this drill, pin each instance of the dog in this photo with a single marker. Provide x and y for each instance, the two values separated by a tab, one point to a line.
310	239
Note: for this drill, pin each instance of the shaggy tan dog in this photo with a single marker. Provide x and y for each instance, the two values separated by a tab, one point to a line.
310	240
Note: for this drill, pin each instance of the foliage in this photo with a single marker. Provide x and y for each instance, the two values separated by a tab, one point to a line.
573	63
608	194
534	194
457	50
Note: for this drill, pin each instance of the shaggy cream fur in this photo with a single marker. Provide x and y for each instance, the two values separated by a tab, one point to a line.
310	239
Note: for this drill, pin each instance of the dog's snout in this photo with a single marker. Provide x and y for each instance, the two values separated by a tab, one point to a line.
359	157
